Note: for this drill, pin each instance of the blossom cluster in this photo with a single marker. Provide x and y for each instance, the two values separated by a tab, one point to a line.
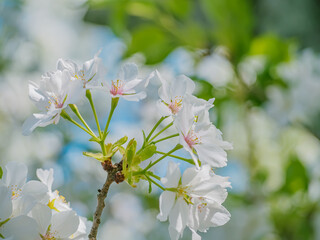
68	84
192	200
32	210
195	199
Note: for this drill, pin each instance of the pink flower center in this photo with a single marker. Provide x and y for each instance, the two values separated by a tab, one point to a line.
175	105
56	102
192	139
116	88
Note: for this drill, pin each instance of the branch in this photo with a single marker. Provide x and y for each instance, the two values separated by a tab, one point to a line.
114	175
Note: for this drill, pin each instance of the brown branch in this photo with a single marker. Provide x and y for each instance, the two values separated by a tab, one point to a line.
114	175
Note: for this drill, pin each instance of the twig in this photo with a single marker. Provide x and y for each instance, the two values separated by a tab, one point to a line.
113	176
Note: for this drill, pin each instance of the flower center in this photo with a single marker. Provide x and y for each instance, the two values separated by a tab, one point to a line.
116	88
203	205
192	139
48	236
15	192
175	105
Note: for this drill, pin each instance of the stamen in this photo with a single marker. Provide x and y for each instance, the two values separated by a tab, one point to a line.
192	139
175	105
117	88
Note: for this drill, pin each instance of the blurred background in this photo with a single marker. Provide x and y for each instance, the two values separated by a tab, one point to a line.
259	59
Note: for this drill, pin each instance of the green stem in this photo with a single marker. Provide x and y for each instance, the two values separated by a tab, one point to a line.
169	125
177	157
165	138
154	182
177	147
153	175
75	109
89	96
114	103
67	117
155	127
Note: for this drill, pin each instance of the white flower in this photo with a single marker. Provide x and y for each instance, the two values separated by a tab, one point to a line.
83	229
198	136
172	93
127	84
56	202
20	228
55	91
216	69
24	195
60	225
88	74
193	200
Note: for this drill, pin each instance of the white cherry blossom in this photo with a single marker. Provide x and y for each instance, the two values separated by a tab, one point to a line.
59	225
56	202
199	137
172	93
193	200
24	195
128	85
55	91
89	74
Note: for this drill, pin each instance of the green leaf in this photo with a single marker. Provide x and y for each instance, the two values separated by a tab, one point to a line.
130	152
269	45
94	139
1	172
120	142
152	41
223	16
147	152
296	177
98	156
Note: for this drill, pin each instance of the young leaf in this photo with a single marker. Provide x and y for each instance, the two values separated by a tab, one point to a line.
147	152
120	142
1	172
98	156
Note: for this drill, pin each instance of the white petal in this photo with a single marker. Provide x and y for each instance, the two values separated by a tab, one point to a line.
5	203
221	217
131	84
213	155
46	176
195	235
135	97
36	189
171	180
15	175
128	72
179	216
36	120
163	109
38	97
64	224
23	205
67	65
188	175
42	215
166	201
21	228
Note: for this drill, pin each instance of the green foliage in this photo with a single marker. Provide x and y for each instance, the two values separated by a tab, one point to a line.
147	152
155	28
98	156
1	172
275	49
120	142
231	24
152	42
296	178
